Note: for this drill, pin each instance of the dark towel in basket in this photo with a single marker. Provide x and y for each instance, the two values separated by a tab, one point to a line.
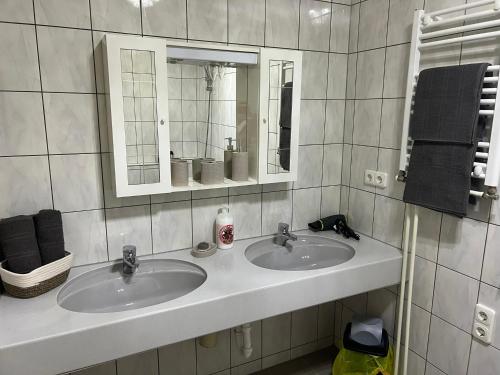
19	245
444	127
49	233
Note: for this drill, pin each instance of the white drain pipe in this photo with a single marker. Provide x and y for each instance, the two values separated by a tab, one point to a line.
410	289
245	332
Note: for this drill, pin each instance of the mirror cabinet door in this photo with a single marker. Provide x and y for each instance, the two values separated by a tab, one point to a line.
280	101
139	117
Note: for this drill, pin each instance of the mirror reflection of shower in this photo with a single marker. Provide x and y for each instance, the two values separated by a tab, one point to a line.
202	107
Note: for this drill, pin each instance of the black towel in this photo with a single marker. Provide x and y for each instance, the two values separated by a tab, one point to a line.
284	151
49	233
447	104
439	177
18	243
444	127
286	105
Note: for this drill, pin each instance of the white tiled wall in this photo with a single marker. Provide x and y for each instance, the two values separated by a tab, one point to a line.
457	260
54	150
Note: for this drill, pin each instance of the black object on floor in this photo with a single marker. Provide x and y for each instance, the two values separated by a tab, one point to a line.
49	232
19	245
336	223
377	350
444	127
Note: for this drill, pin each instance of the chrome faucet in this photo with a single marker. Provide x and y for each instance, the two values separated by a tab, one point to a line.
130	263
283	236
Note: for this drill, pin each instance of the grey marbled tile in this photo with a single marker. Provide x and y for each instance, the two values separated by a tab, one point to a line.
247	21
304	326
116	15
314	28
18	67
71	121
22	131
363	158
207	20
396	71
282	23
449	347
401	20
360	215
382	303
276	334
346	164
276	208
330	200
461	245
388	220
455	297
429	228
367	122
211	360
370	74
246	211
16	11
76	182
423	284
306	207
25	185
391	124
491	271
334	123
66	59
140	363
178	358
310	166
373	24
419	329
332	164
484	359
337	76
354	28
68	13
204	213
339	38
128	226
312	122
314	71
352	63
164	18
85	236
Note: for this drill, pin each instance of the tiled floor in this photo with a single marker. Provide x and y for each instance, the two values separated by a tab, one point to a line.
317	363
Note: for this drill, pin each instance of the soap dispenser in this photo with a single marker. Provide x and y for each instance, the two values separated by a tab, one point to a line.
224	229
228	157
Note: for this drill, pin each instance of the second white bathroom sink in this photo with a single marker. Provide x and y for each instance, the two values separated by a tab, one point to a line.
106	289
305	253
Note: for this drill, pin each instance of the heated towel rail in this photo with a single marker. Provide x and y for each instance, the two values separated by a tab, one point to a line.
426	28
453	29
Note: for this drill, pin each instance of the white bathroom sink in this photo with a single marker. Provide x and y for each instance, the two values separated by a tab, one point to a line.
305	253
106	289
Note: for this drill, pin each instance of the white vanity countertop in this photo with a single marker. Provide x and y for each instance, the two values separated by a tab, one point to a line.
37	336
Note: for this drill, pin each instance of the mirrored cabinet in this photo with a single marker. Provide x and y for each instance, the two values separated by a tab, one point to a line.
193	116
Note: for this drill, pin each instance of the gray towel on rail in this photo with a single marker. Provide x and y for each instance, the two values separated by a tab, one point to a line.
447	104
444	127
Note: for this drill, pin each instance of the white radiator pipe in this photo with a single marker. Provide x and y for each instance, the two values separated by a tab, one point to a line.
402	291
245	331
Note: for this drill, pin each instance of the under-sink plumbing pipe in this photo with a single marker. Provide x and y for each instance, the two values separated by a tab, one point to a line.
411	269
245	332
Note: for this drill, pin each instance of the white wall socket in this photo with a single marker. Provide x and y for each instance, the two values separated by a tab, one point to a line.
375	178
484	323
482	333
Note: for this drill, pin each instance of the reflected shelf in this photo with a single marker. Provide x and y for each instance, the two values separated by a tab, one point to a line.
228	183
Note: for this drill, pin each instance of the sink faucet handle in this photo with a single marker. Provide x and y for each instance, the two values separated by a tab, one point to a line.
283	228
129	251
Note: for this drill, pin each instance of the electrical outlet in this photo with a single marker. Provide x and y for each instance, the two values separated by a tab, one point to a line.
381	180
376	178
370	177
485	315
482	333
